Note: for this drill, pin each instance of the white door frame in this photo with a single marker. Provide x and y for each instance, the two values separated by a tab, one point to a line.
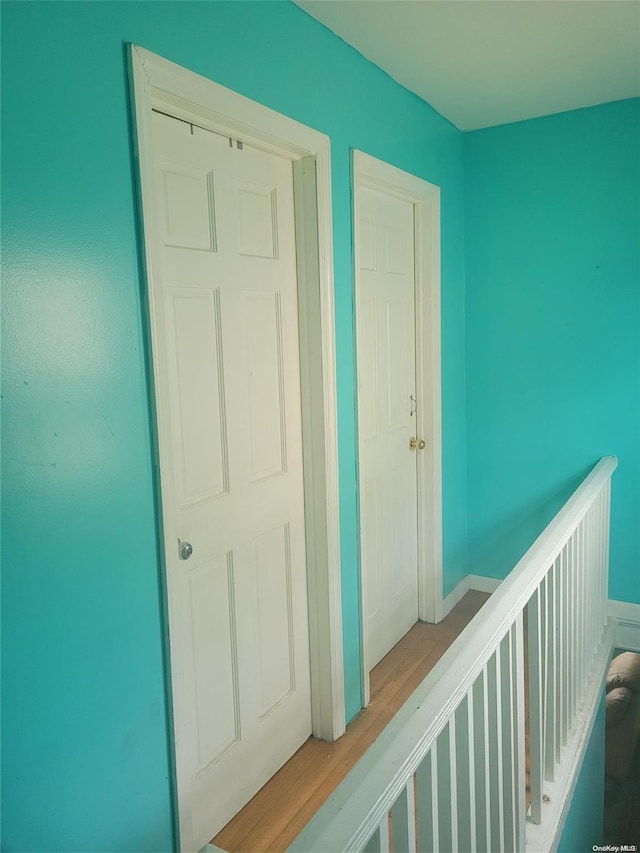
370	172
159	84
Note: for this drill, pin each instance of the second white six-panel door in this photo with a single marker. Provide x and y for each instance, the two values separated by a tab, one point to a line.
226	312
386	417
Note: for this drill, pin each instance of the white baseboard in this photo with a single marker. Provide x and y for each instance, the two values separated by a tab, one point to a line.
456	594
627	616
476	582
483	584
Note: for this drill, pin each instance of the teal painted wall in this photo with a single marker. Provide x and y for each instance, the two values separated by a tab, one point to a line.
553	328
85	745
584	825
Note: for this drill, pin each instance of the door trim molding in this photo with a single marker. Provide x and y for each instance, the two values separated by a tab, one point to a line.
158	83
370	172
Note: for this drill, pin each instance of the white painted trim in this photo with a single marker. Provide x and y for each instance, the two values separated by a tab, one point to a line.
559	793
312	192
455	596
481	583
158	83
627	616
370	172
475	582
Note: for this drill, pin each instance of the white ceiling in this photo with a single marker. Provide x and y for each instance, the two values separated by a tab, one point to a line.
487	62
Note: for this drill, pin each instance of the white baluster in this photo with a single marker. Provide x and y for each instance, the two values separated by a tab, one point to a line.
505	662
536	727
588	566
597	584
599	513
384	835
379	841
426	805
403	820
471	751
583	606
519	748
571	607
412	816
453	783
445	789
481	742
544	661
464	759
495	752
562	648
594	588
593	564
550	689
607	493
559	674
435	793
575	621
566	664
604	555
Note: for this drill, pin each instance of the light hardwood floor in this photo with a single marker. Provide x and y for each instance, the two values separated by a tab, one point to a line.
277	813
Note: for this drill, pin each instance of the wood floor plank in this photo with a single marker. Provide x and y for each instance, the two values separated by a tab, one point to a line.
307	811
306	760
279	811
270	810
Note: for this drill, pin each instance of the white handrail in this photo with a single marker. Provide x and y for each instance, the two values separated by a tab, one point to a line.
359	806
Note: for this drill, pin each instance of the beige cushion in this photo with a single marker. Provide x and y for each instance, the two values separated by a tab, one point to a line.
624	672
623	714
621	741
616	705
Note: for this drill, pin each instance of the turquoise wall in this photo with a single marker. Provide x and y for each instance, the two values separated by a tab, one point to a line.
85	745
553	328
584	825
552	368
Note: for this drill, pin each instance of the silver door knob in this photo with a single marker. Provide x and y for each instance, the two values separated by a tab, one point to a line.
185	549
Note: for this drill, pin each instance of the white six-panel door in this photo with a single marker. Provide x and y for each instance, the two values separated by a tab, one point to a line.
230	403
386	417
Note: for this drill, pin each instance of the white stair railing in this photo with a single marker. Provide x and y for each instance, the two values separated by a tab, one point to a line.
448	772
